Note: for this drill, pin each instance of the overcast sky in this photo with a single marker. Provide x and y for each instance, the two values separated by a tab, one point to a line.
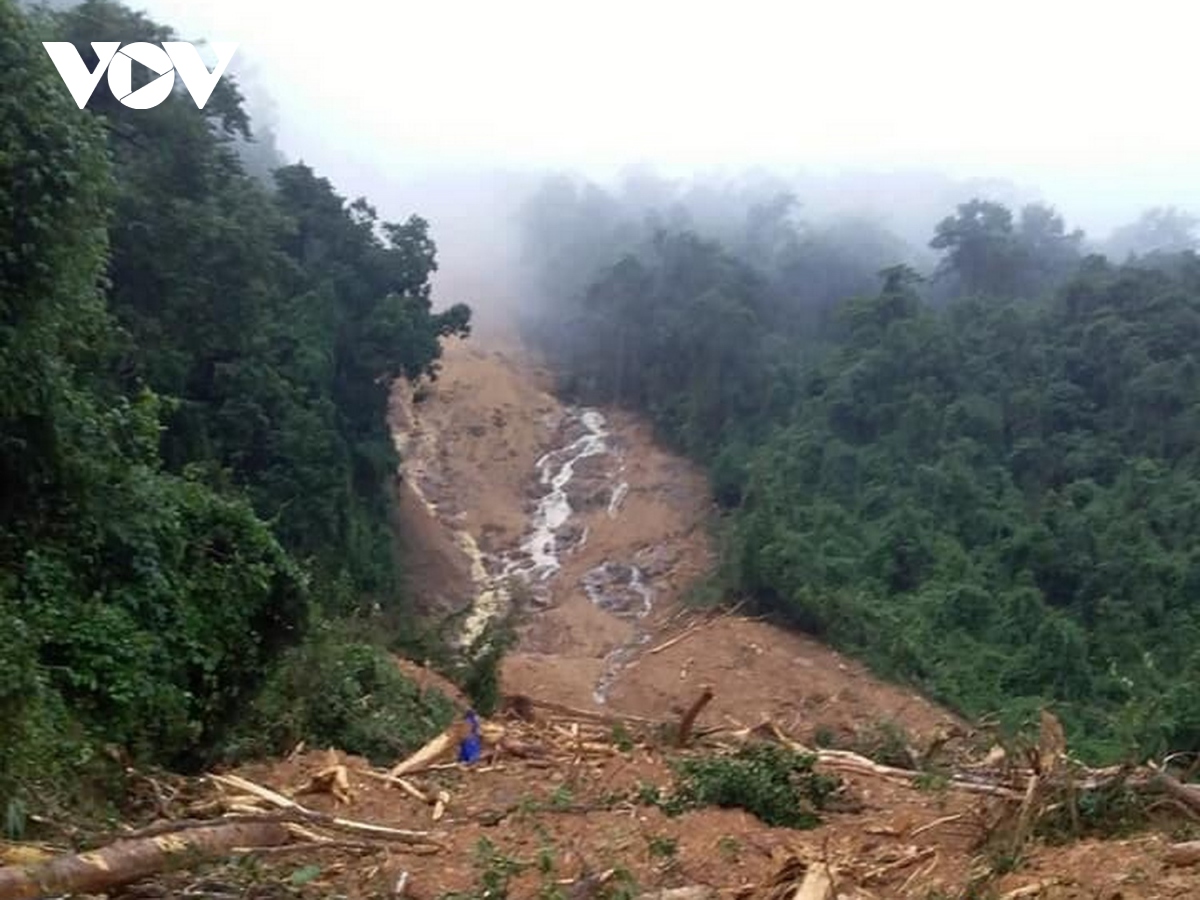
1094	102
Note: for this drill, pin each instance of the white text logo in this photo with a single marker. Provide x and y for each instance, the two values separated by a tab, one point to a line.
165	61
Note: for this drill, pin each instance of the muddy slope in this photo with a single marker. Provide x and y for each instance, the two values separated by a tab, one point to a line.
598	534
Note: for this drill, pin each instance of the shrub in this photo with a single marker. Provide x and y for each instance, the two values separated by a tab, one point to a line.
773	783
345	694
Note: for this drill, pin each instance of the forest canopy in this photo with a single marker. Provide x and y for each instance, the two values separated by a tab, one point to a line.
194	369
983	477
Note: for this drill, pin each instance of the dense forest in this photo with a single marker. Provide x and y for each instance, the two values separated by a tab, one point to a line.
981	474
195	359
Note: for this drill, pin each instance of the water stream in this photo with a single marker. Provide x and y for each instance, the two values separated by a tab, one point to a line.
540	552
619	589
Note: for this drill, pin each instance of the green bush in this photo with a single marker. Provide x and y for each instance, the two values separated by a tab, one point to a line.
331	692
480	676
773	783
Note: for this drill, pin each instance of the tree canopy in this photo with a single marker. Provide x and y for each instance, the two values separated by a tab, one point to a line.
981	479
194	370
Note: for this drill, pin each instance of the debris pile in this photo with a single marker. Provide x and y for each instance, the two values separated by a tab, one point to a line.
542	759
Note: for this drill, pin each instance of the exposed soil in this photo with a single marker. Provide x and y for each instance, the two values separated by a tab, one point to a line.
561	823
471	447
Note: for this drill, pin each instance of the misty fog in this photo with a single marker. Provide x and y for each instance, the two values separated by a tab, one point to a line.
460	112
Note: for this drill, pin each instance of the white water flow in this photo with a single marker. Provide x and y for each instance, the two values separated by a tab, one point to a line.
621	591
616	588
541	550
555	470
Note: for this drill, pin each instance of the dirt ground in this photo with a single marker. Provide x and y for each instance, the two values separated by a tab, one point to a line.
556	824
470	447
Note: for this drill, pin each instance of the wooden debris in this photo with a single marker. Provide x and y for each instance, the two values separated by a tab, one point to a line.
330	780
407	786
817	884
1183	854
692	892
369	829
666	645
1025	815
1029	890
689	717
910	859
1188	795
98	871
439	806
1052	743
435	751
584	715
995	758
23	854
929	826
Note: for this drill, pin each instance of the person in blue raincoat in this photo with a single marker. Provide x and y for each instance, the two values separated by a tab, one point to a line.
470	748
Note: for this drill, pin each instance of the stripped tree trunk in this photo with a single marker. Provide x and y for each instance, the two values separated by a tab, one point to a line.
124	861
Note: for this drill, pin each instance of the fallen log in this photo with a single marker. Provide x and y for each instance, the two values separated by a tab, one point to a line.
337	823
910	859
587	715
1184	854
666	645
1030	890
408	787
854	764
97	871
437	749
691	892
817	884
1187	794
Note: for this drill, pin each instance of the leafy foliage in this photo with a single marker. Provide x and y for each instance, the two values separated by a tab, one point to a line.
771	782
193	447
991	496
335	691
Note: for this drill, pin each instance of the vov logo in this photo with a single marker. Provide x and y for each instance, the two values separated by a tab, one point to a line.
171	58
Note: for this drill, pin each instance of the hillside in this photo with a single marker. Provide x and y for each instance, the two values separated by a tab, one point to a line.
780	557
560	805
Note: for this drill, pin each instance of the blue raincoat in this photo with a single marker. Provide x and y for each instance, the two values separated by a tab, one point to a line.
471	746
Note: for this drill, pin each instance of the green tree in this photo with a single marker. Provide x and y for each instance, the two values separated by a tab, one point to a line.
981	248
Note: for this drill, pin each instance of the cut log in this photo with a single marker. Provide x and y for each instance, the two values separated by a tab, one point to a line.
98	871
1185	854
367	829
817	884
689	717
445	744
